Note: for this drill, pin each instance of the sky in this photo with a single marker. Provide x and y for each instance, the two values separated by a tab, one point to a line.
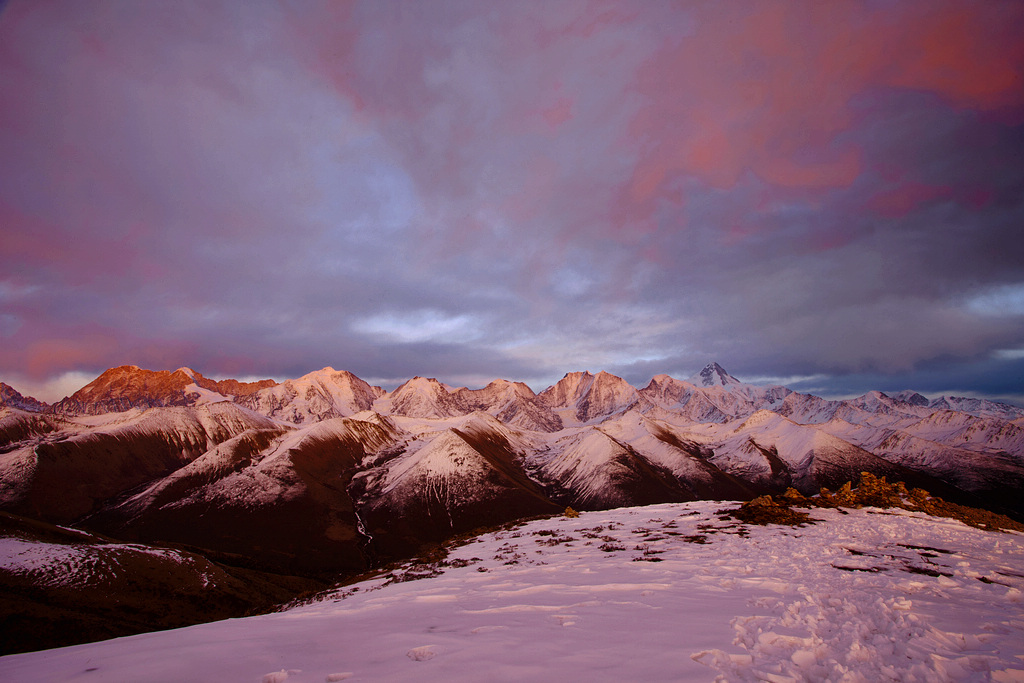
828	195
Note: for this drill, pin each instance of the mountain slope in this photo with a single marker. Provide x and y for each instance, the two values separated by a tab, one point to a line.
601	472
18	425
688	462
272	498
60	477
452	481
771	451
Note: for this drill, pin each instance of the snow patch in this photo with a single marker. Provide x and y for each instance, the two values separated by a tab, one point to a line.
201	396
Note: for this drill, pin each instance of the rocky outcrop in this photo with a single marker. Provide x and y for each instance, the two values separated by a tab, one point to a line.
11	398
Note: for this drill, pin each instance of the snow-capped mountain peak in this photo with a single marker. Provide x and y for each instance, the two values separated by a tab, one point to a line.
713	375
581	396
911	397
513	403
424	397
318	395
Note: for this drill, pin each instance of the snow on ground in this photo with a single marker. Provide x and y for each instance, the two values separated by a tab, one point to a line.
204	396
659	593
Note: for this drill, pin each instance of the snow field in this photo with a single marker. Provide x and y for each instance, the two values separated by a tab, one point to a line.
660	593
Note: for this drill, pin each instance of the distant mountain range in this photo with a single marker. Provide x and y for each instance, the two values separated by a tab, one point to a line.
326	475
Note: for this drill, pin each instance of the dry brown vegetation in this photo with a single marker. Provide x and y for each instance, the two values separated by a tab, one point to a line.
871	491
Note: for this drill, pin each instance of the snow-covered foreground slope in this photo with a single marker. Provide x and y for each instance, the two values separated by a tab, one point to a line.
669	592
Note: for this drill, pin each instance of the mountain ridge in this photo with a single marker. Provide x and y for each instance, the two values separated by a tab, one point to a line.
129	386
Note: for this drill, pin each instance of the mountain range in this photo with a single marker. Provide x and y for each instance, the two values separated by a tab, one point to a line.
325	475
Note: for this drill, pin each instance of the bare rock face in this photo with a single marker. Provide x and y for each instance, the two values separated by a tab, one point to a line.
232	387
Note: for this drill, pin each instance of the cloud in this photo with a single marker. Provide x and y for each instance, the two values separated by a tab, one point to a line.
459	190
51	390
418	326
1005	301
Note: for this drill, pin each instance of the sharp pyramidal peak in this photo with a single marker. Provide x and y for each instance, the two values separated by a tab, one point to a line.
713	375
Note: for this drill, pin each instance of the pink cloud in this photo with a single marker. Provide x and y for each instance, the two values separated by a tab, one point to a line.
904	198
971	54
558	113
765	87
45	356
